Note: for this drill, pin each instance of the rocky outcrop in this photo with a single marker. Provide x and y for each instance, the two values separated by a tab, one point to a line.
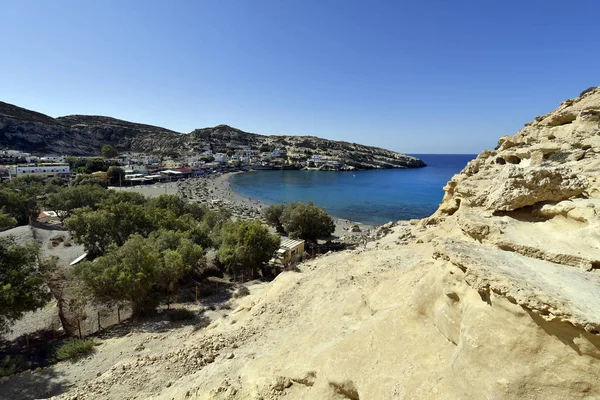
518	235
84	135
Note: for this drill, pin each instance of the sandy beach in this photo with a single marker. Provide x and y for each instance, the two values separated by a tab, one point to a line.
214	190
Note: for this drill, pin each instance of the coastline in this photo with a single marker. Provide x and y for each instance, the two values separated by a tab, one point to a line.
215	191
342	226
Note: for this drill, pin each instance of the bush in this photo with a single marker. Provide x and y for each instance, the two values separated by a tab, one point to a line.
75	349
12	365
241	292
587	90
181	314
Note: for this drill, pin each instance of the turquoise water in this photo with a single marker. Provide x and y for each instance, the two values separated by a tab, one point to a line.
371	197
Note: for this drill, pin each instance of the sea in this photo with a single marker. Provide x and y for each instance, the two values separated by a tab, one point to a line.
371	197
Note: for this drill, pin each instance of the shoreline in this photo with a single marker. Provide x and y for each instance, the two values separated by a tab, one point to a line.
215	191
342	226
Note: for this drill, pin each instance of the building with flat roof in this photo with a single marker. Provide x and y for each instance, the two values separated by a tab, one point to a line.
51	170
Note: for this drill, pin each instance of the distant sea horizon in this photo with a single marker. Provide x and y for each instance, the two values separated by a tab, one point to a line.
372	197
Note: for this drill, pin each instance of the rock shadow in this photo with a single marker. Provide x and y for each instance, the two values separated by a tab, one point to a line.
43	384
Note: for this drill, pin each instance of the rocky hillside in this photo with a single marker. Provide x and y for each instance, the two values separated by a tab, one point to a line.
84	135
495	296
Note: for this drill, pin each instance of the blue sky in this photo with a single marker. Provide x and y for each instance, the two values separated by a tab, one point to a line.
412	76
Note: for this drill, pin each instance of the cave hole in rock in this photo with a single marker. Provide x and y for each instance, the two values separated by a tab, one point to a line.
512	159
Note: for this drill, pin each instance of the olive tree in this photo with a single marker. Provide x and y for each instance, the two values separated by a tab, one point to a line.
245	246
21	282
123	274
273	215
307	221
108	151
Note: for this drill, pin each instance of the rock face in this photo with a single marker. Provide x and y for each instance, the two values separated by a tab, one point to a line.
84	135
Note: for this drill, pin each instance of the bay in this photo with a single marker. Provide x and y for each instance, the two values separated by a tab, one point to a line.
371	197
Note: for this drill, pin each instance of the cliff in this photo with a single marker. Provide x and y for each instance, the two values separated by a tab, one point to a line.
84	135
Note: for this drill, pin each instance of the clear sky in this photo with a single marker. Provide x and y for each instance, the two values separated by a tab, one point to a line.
412	76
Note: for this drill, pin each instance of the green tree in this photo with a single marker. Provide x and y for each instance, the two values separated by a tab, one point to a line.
21	198
170	202
84	179
21	282
6	221
273	214
170	272
307	221
191	253
245	246
115	175
93	229
108	151
67	199
123	274
95	165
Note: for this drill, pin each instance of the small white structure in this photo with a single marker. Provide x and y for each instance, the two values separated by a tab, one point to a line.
42	170
52	159
221	157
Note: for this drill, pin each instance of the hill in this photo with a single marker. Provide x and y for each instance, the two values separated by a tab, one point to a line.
84	135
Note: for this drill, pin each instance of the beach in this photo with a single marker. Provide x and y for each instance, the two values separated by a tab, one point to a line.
215	191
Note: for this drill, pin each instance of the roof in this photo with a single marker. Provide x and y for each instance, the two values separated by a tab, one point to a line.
290	243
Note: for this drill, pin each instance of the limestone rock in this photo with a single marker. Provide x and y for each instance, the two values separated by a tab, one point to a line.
517	187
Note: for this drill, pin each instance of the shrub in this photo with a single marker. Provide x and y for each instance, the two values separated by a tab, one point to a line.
181	314
587	90
12	365
204	322
75	349
241	292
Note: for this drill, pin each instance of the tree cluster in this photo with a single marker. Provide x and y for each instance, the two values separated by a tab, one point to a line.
139	249
300	220
144	247
22	198
143	270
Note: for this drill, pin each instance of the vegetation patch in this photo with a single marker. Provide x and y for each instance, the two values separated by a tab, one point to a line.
75	349
12	365
181	314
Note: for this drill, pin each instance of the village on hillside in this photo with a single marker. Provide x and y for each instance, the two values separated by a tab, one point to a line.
143	168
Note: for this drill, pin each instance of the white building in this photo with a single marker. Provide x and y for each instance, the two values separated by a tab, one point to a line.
52	159
42	170
221	157
16	155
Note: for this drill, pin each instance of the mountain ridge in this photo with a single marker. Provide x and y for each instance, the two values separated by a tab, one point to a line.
84	135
